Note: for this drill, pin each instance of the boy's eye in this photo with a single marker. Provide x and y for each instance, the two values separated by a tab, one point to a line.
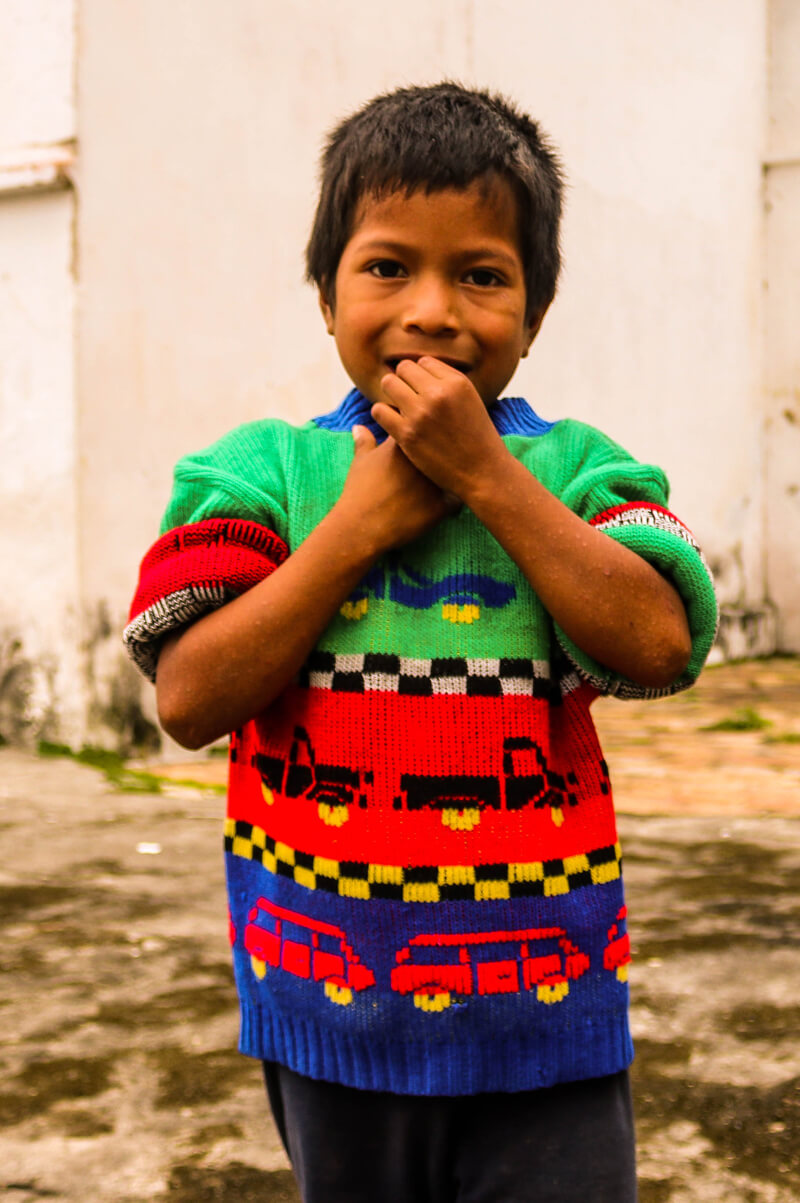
484	277
386	269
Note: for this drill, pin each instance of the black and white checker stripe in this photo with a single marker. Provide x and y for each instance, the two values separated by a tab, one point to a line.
658	519
143	635
645	515
385	673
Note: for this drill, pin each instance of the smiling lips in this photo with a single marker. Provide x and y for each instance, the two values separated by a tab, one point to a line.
393	360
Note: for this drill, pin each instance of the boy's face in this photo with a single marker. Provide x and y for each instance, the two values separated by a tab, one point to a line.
436	274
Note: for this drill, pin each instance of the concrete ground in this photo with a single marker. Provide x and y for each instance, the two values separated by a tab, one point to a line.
119	1082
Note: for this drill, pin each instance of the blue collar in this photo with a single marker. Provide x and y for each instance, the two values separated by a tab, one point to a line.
510	415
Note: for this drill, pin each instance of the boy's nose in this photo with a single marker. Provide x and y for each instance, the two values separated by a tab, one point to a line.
431	307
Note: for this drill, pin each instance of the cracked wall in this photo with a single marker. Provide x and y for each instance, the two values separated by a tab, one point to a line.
782	302
162	301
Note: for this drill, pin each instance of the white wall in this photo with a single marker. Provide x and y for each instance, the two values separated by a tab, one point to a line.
782	191
40	690
200	130
36	72
200	123
655	337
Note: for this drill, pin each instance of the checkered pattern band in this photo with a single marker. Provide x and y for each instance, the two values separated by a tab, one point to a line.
644	516
143	636
634	513
191	570
487	678
423	883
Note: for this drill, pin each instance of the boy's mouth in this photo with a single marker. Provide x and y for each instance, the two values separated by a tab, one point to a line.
459	364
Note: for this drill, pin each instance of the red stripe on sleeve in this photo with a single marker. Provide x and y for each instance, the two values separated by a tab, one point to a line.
224	552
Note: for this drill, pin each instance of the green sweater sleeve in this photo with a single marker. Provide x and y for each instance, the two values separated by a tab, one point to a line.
240	476
224	530
628	501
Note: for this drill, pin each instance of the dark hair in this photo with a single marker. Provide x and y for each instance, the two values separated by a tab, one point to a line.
443	136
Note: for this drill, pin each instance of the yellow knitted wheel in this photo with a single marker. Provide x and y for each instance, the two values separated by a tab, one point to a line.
338	994
426	1001
552	994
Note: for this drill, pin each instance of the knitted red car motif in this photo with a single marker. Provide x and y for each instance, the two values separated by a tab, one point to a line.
617	953
305	947
333	787
434	966
527	779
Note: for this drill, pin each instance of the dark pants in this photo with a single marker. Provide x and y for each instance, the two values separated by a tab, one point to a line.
568	1144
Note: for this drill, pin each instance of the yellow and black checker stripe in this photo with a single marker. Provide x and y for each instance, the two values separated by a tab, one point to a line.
423	883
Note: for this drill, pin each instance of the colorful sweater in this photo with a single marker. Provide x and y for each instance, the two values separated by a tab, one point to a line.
422	859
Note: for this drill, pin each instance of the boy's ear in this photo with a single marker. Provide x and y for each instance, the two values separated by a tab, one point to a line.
326	310
533	329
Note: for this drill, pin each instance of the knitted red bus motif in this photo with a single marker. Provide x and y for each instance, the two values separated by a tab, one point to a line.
617	953
310	949
433	966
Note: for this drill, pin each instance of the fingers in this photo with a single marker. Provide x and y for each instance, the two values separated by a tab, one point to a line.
388	418
414	375
428	379
364	439
423	368
397	389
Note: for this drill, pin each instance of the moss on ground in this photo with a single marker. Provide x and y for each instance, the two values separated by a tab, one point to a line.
111	764
116	771
745	718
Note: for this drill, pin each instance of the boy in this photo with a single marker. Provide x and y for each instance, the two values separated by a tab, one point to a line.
402	611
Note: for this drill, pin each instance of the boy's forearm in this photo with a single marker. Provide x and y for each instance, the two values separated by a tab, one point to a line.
229	665
613	604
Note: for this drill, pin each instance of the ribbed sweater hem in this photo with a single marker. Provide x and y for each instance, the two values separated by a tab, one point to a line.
602	1047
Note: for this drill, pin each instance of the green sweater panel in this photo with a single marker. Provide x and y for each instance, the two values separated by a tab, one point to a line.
288	478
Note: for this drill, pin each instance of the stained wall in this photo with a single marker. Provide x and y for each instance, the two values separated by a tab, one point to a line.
176	262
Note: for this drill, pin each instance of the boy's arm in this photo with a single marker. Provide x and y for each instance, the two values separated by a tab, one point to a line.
607	599
230	664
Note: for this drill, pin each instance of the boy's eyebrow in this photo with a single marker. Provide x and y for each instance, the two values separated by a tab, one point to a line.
383	244
490	252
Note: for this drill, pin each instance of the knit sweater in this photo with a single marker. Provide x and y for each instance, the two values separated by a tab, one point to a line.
422	860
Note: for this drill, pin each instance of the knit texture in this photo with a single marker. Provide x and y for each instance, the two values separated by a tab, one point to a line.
423	868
